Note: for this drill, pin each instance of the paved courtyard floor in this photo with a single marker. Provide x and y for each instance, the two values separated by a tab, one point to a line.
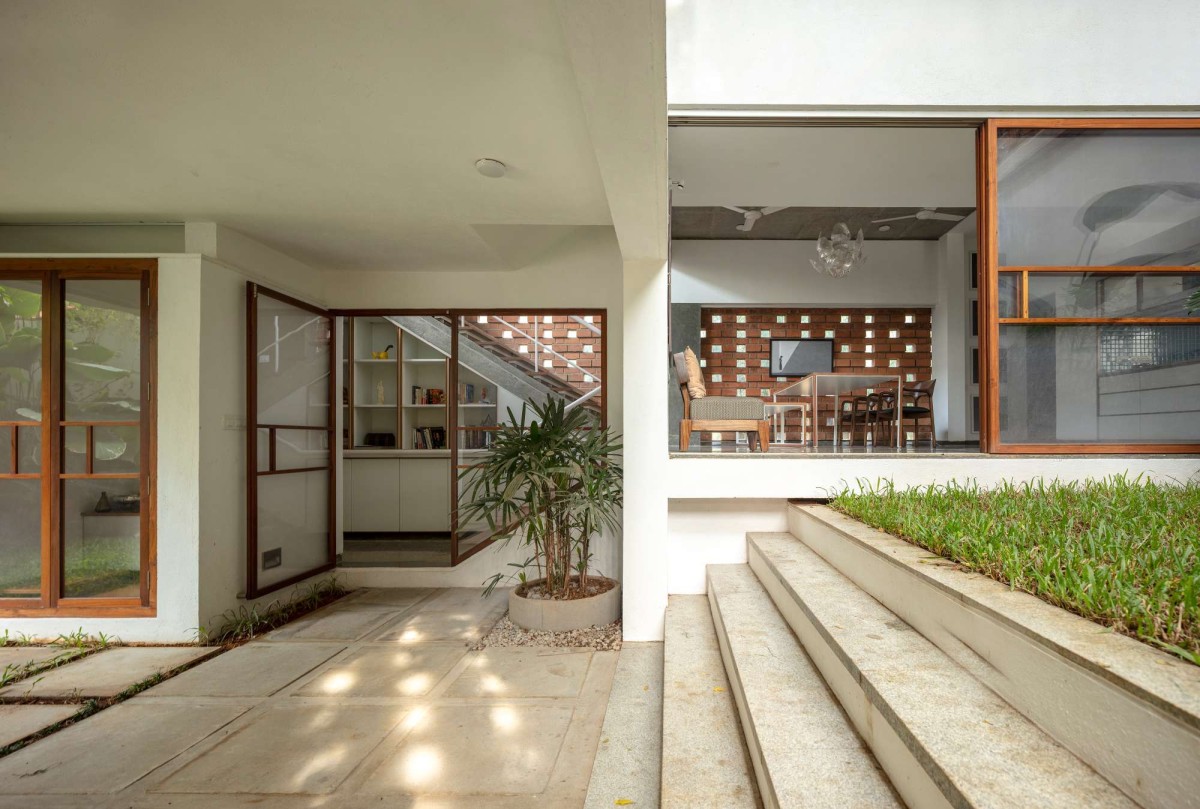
375	700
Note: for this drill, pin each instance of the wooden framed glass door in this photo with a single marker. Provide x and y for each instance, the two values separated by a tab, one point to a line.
77	436
291	477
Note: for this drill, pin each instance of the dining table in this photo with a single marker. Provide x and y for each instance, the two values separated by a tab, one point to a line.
837	385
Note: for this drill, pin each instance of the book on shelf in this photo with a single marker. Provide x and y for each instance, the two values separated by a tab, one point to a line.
435	396
418	395
429	438
466	393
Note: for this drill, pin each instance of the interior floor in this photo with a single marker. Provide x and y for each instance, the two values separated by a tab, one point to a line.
392	550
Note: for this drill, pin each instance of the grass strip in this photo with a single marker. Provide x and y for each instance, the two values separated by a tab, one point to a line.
1122	552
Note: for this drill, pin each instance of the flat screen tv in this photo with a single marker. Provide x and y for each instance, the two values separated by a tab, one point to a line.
800	357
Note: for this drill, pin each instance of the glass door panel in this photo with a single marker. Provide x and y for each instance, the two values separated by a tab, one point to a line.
1096	197
101	525
289	439
21	407
504	363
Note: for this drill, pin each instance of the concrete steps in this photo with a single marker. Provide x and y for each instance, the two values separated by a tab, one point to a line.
943	738
704	759
804	750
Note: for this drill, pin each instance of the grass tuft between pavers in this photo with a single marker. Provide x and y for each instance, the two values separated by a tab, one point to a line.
1124	552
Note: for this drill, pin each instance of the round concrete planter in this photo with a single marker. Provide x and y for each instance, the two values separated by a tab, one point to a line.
549	615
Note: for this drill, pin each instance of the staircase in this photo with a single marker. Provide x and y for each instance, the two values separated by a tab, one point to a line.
841	702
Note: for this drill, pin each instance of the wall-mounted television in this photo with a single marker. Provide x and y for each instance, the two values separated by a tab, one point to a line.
800	357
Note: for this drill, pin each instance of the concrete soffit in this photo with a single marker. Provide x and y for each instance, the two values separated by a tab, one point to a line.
618	52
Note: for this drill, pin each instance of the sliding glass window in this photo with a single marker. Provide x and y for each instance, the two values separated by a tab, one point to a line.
1094	253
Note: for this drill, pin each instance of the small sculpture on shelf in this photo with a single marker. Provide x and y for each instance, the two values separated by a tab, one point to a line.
381	355
380	394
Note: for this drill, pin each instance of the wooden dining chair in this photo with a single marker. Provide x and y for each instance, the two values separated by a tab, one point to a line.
912	409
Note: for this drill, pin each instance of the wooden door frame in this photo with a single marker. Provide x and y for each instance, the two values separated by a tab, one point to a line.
453	316
989	253
53	273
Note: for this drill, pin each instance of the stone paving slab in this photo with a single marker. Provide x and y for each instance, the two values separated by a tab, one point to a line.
289	749
523	672
333	624
498	749
26	656
253	670
453	615
386	597
111	750
385	671
107	673
19	721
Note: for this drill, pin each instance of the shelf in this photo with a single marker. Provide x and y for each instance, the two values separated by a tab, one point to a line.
381	362
425	360
424	405
386	406
476	404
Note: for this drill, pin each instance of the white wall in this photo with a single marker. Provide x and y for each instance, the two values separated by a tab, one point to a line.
919	54
713	532
764	271
897	273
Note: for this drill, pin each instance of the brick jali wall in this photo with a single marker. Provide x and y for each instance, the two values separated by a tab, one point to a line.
735	347
564	335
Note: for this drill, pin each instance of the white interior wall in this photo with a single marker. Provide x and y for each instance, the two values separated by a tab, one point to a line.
713	532
223	403
897	273
941	56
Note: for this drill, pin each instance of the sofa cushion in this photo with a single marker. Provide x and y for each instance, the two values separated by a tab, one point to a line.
728	408
696	389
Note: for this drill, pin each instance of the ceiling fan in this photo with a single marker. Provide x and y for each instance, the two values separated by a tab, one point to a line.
922	215
752	215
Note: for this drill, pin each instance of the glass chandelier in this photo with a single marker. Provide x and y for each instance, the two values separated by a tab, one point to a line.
839	254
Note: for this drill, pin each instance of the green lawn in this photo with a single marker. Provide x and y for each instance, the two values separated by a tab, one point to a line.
1122	552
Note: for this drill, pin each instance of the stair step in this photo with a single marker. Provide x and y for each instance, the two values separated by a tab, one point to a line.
805	751
943	737
704	758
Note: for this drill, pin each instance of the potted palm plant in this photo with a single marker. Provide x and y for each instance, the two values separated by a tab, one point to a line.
551	484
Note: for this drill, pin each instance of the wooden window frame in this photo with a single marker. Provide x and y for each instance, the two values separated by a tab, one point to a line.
453	315
53	273
989	337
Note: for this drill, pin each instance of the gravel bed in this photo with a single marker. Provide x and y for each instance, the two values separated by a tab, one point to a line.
599	638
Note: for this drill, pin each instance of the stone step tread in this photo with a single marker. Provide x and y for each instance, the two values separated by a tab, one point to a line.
704	757
809	751
974	745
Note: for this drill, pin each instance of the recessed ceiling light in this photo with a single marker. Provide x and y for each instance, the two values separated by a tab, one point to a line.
490	168
885	228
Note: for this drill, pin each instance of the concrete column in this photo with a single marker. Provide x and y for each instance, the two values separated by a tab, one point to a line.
645	559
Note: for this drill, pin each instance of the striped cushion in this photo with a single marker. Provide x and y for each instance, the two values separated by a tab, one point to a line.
727	408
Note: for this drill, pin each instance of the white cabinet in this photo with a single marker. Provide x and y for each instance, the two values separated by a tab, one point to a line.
371	501
425	494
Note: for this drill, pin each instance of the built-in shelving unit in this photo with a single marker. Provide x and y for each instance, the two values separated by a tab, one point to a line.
405	486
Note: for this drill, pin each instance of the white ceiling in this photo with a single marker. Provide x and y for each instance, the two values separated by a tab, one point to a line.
825	166
341	133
